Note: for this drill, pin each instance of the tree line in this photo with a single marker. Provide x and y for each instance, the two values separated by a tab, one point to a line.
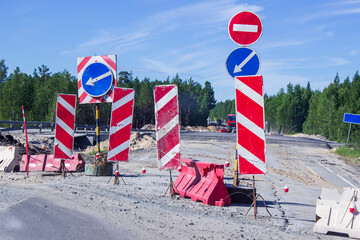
38	92
300	109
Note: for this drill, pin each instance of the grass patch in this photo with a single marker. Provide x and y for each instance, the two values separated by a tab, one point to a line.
349	154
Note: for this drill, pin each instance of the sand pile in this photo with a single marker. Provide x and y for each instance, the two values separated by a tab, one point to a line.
316	136
148	127
211	128
195	128
138	141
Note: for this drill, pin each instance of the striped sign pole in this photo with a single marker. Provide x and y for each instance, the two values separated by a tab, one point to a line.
250	124
167	126
26	142
120	126
65	125
97	110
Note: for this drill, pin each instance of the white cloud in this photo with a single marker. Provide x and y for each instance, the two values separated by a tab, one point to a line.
354	52
331	13
111	40
337	61
208	12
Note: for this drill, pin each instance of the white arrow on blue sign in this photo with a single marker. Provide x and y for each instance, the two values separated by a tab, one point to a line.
97	79
243	62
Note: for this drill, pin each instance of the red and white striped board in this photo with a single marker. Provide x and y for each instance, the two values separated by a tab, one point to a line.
250	124
65	125
82	64
120	126
167	126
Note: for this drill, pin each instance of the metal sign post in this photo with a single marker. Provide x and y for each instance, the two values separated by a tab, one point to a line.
243	65
351	118
96	83
347	142
97	109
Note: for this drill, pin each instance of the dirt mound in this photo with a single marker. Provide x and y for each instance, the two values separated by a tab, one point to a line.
7	139
138	141
211	128
195	128
148	127
317	136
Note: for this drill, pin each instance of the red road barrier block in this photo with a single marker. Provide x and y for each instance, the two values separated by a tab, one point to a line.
36	163
202	182
48	163
73	165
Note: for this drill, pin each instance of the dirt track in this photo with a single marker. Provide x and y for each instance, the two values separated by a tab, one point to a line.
138	210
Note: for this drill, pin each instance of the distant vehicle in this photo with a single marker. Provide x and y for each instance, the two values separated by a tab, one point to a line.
231	122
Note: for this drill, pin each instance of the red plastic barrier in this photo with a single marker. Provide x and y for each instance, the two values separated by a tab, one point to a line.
53	164
48	163
202	182
36	163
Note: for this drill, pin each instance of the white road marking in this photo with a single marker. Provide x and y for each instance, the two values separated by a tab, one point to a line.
342	178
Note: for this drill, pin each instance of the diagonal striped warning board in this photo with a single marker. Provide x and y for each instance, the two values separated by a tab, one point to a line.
250	124
120	127
65	125
167	126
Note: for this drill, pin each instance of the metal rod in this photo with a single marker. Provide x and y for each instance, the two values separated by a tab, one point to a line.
347	142
254	197
170	186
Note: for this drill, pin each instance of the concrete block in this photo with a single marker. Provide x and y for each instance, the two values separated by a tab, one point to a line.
8	158
334	214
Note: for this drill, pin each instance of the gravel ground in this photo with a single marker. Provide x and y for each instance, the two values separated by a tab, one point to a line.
78	206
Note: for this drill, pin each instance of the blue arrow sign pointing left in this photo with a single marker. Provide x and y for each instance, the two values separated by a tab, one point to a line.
243	62
97	79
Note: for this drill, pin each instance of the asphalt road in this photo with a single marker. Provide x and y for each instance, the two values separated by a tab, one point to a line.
270	139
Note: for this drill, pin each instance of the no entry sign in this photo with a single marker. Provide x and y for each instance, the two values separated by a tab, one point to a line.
245	28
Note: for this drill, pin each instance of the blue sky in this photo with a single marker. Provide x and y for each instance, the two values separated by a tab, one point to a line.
301	41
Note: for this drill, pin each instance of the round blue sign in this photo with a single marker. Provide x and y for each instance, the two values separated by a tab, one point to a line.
97	79
243	62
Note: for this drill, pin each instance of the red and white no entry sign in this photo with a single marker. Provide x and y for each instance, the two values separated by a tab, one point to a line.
245	28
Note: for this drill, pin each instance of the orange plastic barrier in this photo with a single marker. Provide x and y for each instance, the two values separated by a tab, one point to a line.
202	182
48	163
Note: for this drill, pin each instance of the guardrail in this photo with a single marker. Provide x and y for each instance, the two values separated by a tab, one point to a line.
19	125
